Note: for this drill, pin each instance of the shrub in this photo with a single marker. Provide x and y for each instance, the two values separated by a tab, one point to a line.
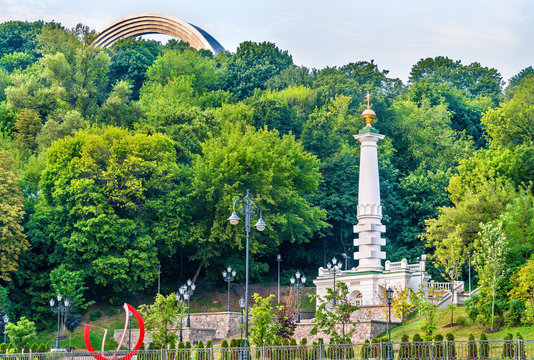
451	347
417	346
484	347
94	315
405	348
3	348
461	321
508	348
34	347
181	351
472	347
201	353
112	312
514	314
439	348
375	348
224	350
366	350
521	347
187	352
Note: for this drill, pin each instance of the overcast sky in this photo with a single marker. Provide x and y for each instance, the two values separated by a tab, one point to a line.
396	34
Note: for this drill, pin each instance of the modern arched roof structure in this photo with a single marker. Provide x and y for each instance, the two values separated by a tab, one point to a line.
154	23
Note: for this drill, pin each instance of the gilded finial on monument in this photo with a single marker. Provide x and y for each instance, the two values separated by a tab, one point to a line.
368	115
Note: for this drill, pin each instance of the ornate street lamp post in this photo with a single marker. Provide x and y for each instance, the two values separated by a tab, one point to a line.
241	306
278	260
60	309
187	290
389	295
229	276
130	314
245	205
298	282
6	321
334	270
180	296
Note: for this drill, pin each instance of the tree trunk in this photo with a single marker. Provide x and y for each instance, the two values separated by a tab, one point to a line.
198	271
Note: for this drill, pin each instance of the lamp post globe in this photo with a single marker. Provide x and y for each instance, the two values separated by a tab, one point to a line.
60	308
297	283
248	207
186	292
229	276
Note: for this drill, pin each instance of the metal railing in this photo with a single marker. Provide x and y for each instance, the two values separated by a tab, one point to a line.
428	350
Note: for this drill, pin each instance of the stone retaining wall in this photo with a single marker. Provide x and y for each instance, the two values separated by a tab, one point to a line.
224	325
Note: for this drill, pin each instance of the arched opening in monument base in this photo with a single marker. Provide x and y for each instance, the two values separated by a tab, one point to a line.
356	298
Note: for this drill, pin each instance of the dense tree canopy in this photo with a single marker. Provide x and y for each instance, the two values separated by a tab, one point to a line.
119	159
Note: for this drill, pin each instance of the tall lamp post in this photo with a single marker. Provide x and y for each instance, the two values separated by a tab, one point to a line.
130	314
298	282
60	309
181	298
389	294
278	260
187	290
245	205
6	321
334	268
241	306
229	276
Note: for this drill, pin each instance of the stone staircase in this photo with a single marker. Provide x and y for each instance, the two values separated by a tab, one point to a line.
442	293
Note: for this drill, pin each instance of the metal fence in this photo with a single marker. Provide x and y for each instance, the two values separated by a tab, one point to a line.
442	350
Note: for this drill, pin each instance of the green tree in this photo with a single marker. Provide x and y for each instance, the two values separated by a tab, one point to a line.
263	329
102	205
12	238
119	109
160	317
19	36
27	127
523	283
401	304
328	318
281	177
71	285
449	256
490	251
130	59
252	66
21	333
426	308
60	123
17	60
516	80
511	124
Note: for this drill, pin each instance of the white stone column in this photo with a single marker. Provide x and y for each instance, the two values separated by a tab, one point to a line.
369	228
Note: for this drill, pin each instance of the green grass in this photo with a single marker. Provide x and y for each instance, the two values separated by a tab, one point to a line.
443	317
76	338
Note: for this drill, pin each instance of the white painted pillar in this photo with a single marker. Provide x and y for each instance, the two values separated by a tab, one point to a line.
369	228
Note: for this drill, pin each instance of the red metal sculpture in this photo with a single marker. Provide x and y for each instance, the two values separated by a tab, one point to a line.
127	308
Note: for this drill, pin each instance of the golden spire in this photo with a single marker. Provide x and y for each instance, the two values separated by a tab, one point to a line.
368	115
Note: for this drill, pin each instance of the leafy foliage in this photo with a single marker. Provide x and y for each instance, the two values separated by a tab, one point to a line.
335	321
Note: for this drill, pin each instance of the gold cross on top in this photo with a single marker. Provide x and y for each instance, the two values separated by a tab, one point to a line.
368	97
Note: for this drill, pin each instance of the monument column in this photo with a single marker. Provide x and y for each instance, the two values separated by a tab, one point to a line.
369	228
